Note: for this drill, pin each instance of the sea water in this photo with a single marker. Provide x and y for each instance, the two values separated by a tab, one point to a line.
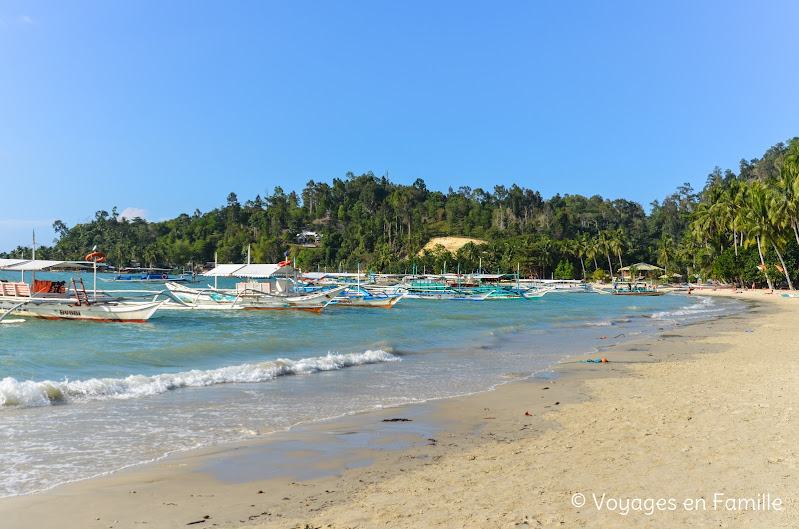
80	399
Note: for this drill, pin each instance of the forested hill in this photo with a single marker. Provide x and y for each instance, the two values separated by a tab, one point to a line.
370	220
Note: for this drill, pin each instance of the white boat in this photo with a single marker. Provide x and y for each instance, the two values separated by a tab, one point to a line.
277	293
149	275
565	286
363	297
255	297
56	300
355	295
201	298
535	293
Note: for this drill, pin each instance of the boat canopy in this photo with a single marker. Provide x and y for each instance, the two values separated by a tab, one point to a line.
489	276
5	263
641	267
251	270
223	270
315	276
27	265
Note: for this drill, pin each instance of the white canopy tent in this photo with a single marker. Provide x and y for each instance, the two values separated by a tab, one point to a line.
38	265
223	270
248	270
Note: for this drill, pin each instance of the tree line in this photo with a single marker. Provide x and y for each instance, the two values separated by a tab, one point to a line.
735	223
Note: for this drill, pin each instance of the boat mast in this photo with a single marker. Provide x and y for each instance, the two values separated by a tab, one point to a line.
215	265
94	272
33	256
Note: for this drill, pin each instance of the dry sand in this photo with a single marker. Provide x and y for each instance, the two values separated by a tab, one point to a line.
696	414
451	244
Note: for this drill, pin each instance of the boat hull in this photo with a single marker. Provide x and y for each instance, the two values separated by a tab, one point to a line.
50	309
309	302
377	301
639	293
210	299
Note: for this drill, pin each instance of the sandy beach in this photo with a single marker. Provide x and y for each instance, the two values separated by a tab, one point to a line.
695	427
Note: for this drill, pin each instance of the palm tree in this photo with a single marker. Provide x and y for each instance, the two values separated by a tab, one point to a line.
686	251
734	198
469	252
618	242
757	222
665	249
580	250
592	250
704	226
604	241
545	248
785	196
780	218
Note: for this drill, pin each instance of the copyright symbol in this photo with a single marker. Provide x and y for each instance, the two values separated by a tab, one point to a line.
578	500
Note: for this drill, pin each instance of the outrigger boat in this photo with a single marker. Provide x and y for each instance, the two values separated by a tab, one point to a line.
465	288
363	297
149	275
636	288
565	286
276	293
440	291
57	300
355	295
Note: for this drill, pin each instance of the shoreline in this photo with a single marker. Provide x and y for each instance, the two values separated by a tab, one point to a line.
268	482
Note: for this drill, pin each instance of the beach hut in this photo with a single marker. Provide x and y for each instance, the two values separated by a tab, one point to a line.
640	267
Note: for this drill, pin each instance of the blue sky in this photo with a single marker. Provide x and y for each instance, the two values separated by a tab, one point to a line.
166	107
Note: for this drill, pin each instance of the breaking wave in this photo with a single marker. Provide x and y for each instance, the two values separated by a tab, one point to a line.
29	393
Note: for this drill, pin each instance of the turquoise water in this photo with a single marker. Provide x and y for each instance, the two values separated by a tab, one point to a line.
78	399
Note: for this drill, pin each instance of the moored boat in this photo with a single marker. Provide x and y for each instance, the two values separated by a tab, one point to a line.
636	288
149	275
363	297
57	300
276	292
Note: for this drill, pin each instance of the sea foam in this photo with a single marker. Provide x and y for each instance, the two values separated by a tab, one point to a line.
29	393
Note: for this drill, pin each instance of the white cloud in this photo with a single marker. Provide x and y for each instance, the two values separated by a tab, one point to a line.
25	19
131	213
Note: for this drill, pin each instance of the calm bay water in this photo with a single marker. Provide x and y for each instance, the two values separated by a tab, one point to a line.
78	399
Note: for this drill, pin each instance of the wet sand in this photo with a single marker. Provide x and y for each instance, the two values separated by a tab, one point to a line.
671	430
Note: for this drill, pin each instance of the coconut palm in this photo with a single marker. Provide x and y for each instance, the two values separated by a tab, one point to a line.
704	226
686	251
785	196
733	198
618	243
605	243
580	250
758	222
665	250
592	250
545	248
780	217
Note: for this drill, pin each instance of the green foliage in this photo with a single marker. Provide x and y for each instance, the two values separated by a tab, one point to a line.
600	275
728	266
378	224
564	270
